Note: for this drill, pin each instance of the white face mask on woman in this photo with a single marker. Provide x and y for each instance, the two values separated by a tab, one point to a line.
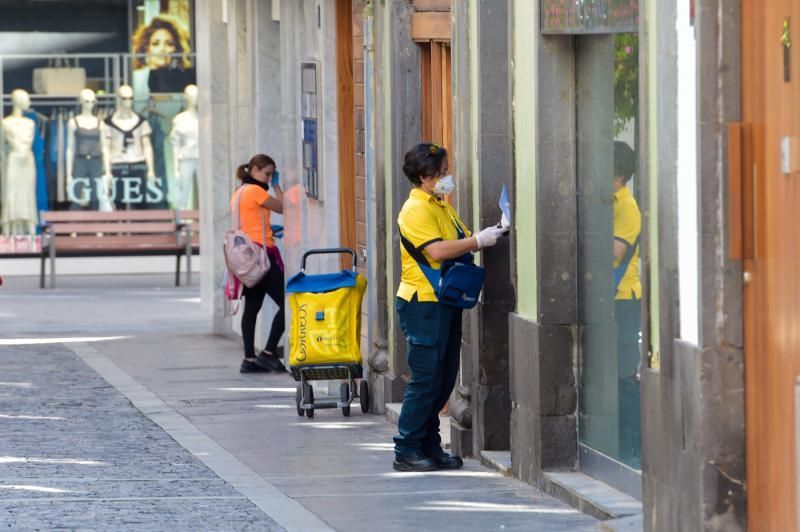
444	186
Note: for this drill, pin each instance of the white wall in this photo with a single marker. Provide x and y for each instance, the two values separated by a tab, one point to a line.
688	241
310	223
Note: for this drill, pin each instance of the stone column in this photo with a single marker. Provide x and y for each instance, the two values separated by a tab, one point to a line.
214	173
463	151
398	103
231	65
543	350
491	405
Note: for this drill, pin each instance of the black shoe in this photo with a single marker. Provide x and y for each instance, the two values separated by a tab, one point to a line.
270	362
415	461
444	460
251	367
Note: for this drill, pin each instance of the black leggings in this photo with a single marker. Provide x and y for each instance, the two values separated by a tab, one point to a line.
271	284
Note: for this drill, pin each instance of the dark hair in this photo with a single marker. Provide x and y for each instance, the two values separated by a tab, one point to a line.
423	160
257	161
624	161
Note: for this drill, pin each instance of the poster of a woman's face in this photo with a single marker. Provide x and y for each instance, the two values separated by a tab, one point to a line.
161	45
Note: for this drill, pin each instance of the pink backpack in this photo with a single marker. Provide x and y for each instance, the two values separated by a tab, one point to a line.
246	260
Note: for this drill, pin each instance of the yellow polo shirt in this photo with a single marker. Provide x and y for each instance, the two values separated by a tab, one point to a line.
424	219
627	226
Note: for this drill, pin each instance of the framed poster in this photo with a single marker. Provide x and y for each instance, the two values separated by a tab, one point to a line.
309	93
162	46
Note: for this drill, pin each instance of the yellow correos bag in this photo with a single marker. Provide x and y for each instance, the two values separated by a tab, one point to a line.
326	318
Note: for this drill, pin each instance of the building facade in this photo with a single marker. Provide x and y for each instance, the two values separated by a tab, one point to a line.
656	384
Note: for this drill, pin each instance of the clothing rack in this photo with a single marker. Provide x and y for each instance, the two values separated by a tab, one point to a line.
38	100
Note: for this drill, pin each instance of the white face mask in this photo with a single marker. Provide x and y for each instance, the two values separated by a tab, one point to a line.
444	186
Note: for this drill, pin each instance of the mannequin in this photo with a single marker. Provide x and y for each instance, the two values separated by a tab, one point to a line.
88	159
184	138
131	154
19	215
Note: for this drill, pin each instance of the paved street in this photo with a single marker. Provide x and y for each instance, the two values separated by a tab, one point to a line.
77	455
132	417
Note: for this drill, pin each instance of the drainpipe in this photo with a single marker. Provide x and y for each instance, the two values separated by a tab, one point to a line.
378	357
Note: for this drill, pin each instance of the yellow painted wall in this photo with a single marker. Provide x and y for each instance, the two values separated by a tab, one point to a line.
388	171
652	168
524	112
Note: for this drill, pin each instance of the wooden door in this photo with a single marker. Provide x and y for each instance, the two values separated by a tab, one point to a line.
765	225
345	102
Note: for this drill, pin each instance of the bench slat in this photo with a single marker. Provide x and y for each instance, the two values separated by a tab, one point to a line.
189	215
113	216
117	242
66	228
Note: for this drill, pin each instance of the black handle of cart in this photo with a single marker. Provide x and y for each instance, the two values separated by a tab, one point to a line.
329	251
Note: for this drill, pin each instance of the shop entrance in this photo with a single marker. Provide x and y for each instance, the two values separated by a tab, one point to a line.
609	282
764	173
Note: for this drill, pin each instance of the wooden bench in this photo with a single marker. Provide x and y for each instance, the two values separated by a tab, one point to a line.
107	234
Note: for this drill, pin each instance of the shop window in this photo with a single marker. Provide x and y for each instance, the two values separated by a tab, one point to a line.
101	132
609	225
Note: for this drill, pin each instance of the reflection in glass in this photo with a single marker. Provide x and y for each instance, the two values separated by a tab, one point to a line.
608	254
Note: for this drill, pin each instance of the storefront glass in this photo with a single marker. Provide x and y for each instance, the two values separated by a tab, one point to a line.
610	288
100	131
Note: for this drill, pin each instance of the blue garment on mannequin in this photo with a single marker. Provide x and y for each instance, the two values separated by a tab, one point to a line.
38	156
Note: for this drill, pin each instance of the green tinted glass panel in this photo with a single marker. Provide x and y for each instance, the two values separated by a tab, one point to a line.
609	219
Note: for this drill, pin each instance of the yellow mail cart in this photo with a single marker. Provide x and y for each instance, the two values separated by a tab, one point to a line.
325	334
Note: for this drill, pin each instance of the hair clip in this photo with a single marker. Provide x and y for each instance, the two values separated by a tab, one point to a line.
433	149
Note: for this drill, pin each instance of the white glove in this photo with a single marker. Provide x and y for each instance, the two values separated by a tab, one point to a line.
488	237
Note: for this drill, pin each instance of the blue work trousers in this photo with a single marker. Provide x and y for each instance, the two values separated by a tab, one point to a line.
433	332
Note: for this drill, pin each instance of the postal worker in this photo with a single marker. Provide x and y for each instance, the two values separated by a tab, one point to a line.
431	233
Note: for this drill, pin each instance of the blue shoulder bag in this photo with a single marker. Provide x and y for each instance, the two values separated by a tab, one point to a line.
458	282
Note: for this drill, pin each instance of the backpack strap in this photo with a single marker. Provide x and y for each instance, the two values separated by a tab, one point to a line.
619	271
460	230
235	219
433	276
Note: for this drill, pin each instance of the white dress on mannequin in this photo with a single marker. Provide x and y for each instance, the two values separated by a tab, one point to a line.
184	138
19	190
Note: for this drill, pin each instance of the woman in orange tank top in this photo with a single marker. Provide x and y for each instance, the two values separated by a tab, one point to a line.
260	196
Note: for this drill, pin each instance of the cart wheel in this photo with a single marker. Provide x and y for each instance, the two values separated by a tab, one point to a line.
298	397
308	394
344	397
363	395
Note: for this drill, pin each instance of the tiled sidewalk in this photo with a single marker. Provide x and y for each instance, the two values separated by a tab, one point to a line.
337	468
